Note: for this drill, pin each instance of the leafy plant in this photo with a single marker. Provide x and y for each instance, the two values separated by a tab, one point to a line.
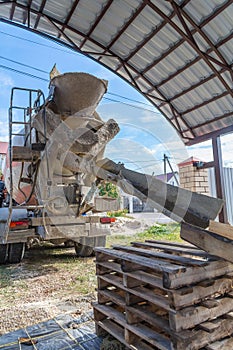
166	232
117	213
108	189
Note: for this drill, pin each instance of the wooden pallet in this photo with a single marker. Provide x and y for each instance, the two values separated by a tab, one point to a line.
168	296
146	334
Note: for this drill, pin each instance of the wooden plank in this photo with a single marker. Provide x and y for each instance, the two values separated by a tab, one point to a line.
106	267
187	296
192	316
145	313
198	338
225	344
209	241
111	280
114	329
151	336
225	230
103	254
168	257
109	312
184	250
172	244
119	333
152	296
105	296
143	277
193	275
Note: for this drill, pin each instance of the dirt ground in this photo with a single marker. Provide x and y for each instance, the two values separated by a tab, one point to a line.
52	280
48	282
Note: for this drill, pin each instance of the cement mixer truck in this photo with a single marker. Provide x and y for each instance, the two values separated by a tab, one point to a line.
55	163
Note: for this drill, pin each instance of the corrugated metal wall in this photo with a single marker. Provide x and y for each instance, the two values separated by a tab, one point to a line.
228	189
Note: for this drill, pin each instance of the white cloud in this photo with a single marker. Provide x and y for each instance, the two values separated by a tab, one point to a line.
3	124
6	80
144	138
204	152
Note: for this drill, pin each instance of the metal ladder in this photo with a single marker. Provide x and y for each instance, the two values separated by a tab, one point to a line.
21	117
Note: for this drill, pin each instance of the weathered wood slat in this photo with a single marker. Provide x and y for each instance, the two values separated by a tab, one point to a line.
221	229
197	339
187	296
106	296
192	316
209	241
185	245
103	254
143	277
151	336
226	344
150	295
193	275
173	249
109	312
112	328
116	330
104	266
110	280
135	313
177	259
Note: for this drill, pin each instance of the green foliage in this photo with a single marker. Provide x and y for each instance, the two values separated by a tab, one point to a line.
109	190
117	213
166	232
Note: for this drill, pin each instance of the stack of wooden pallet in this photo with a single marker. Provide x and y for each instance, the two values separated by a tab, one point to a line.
160	295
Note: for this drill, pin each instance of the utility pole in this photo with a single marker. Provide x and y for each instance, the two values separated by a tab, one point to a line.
166	160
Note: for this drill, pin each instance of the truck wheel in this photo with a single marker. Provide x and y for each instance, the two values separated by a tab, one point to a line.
16	252
82	250
3	253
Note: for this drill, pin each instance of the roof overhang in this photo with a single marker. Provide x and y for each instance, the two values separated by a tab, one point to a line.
178	54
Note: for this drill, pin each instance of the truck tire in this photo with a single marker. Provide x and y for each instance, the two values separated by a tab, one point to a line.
82	250
16	252
87	245
3	253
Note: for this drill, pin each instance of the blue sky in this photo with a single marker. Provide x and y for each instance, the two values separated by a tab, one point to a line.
145	135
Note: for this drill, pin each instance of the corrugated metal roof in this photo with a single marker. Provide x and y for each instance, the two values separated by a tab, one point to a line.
177	53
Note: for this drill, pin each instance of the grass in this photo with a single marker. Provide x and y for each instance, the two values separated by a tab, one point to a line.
51	272
166	232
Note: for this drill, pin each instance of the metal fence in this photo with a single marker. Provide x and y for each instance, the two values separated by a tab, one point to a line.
228	189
